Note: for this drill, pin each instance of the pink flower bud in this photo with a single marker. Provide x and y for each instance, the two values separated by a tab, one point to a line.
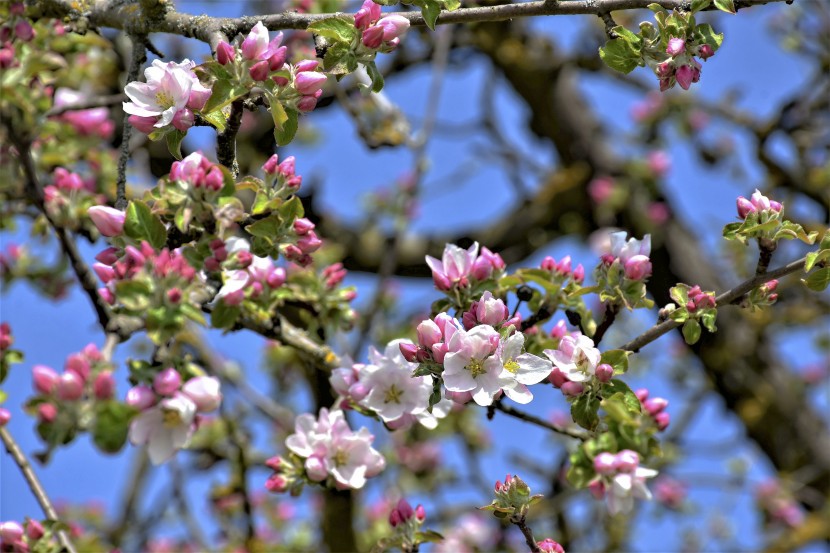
604	372
104	272
627	461
572	389
394	26
79	364
306	65
287	167
685	76
34	530
409	351
662	419
281	81
70	386
104	385
108	220
167	382
315	469
637	267
307	103
776	206
215	180
107	295
394	518
270	166
225	53
141	397
260	70
24	31
204	391
275	463
276	483
309	82
277	59
549	546
760	201
44	379
557	378
676	46
373	37
18	8
5	417
420	513
142	123
199	96
597	489
10	531
108	256
579	274
605	463
405	509
559	330
309	243
548	264
705	52
46	412
655	405
276	278
368	13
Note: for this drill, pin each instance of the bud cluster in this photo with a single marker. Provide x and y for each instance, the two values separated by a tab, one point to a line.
245	276
548	545
778	505
655	407
93	122
562	269
68	197
26	537
623	271
577	366
459	268
16	27
513	499
379	33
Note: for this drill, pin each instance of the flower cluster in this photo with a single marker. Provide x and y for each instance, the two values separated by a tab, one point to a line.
283	175
577	365
22	538
681	67
260	59
68	198
623	271
759	204
327	450
562	268
379	33
670	492
698	299
655	407
168	411
386	388
247	275
15	27
169	97
619	479
632	255
457	266
86	122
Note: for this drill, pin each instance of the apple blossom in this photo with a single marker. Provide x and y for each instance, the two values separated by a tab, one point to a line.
204	391
165	428
170	88
454	267
520	369
393	392
108	220
470	366
576	358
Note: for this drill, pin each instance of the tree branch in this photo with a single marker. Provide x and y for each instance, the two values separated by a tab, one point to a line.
34	484
137	57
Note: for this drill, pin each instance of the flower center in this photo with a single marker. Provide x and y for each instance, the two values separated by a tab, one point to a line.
476	367
341	457
512	366
393	394
164	99
171	418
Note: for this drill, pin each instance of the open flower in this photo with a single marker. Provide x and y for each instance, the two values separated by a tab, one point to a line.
576	358
454	267
165	428
393	392
520	369
469	365
171	89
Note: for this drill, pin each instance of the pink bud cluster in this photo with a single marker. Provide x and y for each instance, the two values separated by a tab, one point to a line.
379	33
698	299
670	492
563	269
655	407
489	311
334	274
632	255
14	537
203	391
681	67
198	172
403	513
307	243
108	220
758	203
6	338
548	545
433	340
16	27
457	266
168	268
86	375
767	293
67	191
264	58
86	122
778	504
254	276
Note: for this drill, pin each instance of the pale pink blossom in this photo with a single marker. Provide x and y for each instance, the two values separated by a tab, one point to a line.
520	369
470	366
170	88
576	358
165	428
454	267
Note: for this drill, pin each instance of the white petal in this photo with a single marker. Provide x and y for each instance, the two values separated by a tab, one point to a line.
161	447
518	393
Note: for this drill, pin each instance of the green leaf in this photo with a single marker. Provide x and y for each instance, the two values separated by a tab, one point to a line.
584	411
3	397
791	231
112	423
223	92
725	6
629	398
216	118
133	294
814	257
268	228
430	9
617	358
174	143
425	536
657	8
698	5
691	331
620	55
818	280
291	210
141	224
375	75
286	134
339	29
708	319
705	33
335	62
223	315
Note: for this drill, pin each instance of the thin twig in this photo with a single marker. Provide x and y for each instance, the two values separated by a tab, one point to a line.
226	141
88	103
34	484
137	58
528	534
527	417
608	319
197	536
726	298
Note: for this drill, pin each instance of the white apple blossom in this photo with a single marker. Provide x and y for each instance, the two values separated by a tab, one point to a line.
165	427
167	91
619	497
520	369
626	250
576	357
393	392
470	366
